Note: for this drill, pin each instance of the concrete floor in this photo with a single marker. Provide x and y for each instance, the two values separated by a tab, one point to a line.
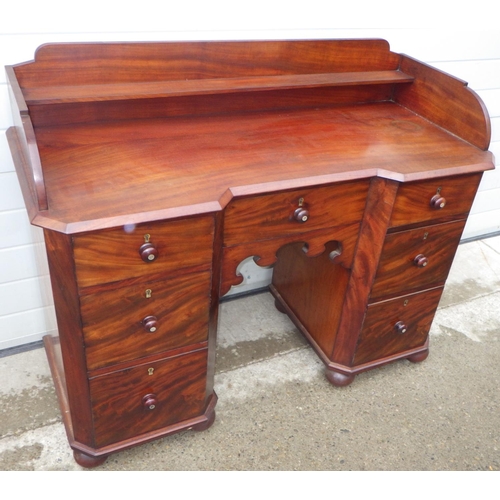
276	410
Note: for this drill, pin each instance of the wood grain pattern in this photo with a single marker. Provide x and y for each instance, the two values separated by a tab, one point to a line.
379	204
206	86
160	166
269	216
181	306
314	288
379	338
397	271
118	412
64	114
113	255
93	64
265	252
64	290
413	200
446	101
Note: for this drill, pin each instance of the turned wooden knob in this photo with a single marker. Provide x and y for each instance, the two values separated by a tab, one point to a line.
301	215
420	260
438	202
148	252
149	402
400	327
150	323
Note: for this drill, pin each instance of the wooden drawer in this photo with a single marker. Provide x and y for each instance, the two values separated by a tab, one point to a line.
113	255
413	201
416	259
397	325
271	215
117	323
121	410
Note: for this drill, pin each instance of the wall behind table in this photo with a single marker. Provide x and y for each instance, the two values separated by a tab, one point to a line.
26	310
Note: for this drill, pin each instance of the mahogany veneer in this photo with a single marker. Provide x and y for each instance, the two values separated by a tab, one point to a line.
156	168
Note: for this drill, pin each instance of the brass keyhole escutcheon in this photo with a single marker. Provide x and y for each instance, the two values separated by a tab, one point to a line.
147	237
151	371
148	293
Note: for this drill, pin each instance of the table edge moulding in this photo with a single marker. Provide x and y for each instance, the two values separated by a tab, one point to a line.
155	169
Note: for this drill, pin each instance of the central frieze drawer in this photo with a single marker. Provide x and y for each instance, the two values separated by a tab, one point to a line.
416	259
144	250
147	318
141	399
292	212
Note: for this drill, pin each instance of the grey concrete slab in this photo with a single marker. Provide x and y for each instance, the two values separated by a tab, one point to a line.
276	410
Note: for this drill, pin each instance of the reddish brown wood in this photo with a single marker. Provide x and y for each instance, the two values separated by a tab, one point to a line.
313	287
88	461
446	101
397	270
208	105
113	255
269	216
380	336
368	250
75	64
414	201
156	168
117	397
265	252
64	290
180	305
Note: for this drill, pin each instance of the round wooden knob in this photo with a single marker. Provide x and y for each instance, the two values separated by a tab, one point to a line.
149	402
150	323
148	252
400	327
420	260
438	202
301	215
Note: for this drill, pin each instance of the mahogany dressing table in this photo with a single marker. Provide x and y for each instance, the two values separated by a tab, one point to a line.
156	168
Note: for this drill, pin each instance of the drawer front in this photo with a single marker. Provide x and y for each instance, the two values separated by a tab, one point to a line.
291	212
114	255
422	201
416	259
396	325
148	397
142	319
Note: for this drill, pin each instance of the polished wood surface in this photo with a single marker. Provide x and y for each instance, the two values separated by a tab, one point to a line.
177	383
155	169
400	270
179	305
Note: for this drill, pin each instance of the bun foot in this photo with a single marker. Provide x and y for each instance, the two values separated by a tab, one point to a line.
88	461
339	379
419	356
205	425
279	306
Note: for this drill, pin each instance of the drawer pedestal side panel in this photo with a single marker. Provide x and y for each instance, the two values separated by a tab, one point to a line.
177	389
396	325
180	308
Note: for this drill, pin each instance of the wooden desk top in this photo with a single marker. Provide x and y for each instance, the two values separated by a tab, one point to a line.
182	166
